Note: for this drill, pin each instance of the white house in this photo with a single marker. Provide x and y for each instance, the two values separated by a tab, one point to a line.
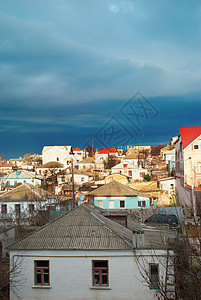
83	255
87	164
55	153
129	169
24	200
103	154
78	153
20	176
132	158
79	177
188	166
6	166
168	185
48	168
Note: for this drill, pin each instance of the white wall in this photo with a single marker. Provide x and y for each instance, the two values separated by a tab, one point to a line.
53	153
24	207
71	276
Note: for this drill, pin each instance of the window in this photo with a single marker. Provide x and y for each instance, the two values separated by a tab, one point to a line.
42	272
100	203
154	275
15	182
195	147
17	209
100	273
141	203
141	174
111	203
122	203
31	208
57	158
82	178
4	208
129	173
198	168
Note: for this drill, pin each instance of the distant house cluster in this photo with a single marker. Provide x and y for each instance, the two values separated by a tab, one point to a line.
89	218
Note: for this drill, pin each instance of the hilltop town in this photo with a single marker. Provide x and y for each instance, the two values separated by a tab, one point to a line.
105	204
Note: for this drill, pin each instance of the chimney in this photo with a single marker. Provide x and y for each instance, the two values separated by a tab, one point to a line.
138	239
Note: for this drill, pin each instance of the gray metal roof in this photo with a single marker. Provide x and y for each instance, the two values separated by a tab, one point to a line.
81	229
26	193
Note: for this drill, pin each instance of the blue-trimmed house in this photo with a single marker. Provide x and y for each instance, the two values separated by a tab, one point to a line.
115	195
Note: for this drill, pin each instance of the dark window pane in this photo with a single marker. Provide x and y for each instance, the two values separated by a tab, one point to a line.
100	264
122	203
104	279
154	269
96	279
42	263
154	276
38	279
46	278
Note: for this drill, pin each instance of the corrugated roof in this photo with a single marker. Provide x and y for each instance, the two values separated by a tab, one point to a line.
114	188
52	164
132	155
26	192
20	174
81	229
88	160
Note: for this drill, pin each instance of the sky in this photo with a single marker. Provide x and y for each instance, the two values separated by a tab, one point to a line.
111	73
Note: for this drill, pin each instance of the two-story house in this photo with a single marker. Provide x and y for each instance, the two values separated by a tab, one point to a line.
188	166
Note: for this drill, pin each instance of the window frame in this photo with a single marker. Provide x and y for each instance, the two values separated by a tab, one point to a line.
42	273
122	201
17	209
141	203
100	269
31	208
4	209
198	168
196	145
153	282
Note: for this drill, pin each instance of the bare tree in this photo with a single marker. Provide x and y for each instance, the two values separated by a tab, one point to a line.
9	277
182	265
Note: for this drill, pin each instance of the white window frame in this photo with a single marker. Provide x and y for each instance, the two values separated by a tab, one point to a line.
198	168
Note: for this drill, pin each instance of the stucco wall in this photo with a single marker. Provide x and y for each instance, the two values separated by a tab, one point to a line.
130	202
71	276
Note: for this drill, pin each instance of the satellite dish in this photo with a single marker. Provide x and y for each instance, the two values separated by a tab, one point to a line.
81	197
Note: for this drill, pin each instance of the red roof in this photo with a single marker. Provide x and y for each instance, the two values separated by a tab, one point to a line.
189	134
107	151
77	149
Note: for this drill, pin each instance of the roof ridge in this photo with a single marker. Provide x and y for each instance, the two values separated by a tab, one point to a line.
32	189
108	220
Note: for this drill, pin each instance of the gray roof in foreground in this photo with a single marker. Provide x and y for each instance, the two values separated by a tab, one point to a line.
84	228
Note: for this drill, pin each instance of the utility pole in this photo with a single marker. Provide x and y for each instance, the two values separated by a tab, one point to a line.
192	190
73	184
